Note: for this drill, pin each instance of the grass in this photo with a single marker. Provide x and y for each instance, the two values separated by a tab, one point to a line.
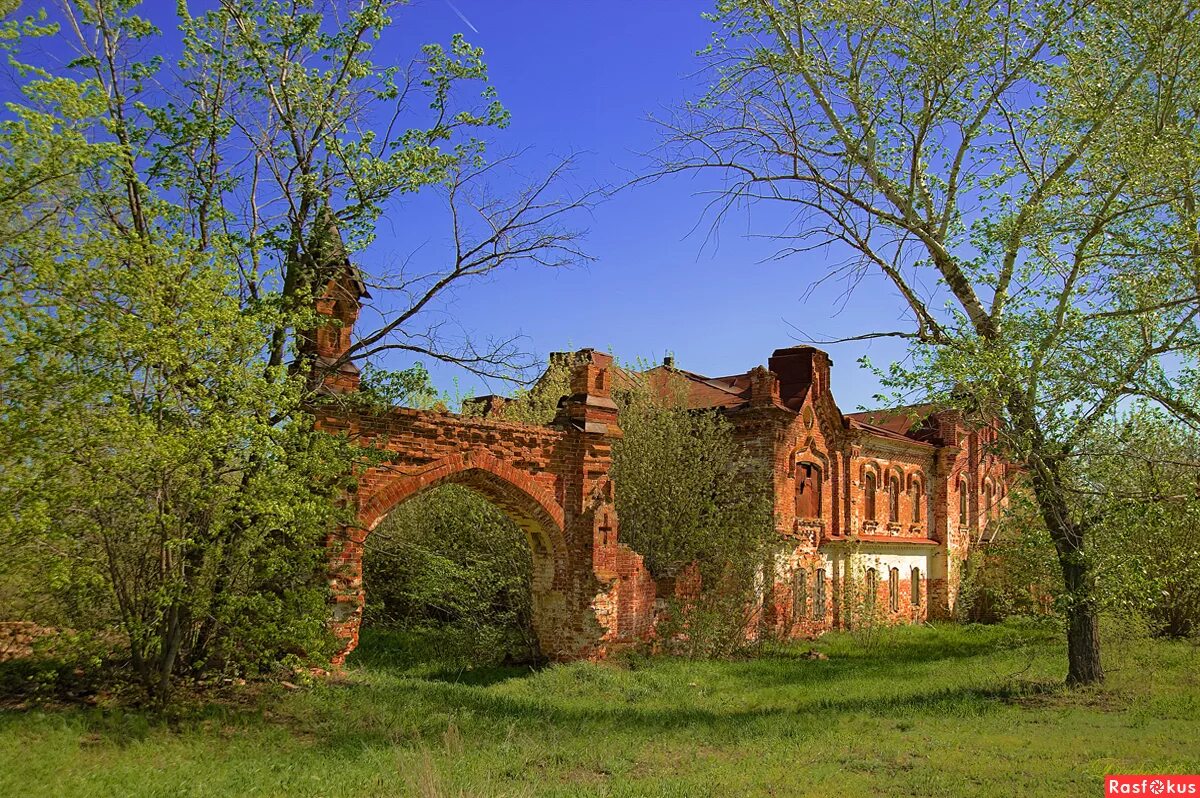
957	711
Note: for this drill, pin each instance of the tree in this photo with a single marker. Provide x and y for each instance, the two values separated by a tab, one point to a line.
166	229
1024	176
692	503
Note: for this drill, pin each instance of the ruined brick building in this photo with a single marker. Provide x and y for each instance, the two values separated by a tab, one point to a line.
887	501
890	500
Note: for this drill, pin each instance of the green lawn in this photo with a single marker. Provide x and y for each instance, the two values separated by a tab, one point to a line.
929	711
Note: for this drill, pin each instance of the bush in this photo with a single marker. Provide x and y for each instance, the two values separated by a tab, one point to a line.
1016	573
688	496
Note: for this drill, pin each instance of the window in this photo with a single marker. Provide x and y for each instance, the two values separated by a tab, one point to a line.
962	501
894	499
918	498
819	595
872	586
894	589
799	595
869	496
916	587
808	490
987	498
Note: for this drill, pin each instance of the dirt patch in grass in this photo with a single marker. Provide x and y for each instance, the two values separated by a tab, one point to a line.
1052	695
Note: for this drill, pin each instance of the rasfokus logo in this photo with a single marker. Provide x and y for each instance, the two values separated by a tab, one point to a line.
1151	785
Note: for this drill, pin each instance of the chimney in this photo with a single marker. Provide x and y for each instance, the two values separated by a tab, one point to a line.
800	368
669	361
764	388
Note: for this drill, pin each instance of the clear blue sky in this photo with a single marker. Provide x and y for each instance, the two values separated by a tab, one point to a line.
583	77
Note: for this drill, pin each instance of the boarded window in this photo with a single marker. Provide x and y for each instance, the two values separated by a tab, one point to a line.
894	589
819	595
808	490
872	587
916	587
894	499
799	596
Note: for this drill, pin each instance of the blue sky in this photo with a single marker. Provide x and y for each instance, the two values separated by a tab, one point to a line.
583	76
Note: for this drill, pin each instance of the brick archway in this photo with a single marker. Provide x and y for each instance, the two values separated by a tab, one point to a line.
591	592
528	504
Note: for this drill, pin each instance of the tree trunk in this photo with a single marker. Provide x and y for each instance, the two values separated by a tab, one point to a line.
1083	627
1083	620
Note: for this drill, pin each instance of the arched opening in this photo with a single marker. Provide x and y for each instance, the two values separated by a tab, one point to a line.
808	490
468	555
917	491
916	587
449	572
869	489
894	590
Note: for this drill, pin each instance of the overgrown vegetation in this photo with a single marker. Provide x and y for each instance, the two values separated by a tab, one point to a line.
1137	481
694	504
449	560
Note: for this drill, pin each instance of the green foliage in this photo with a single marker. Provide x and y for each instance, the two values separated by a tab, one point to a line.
1016	573
687	493
158	478
538	404
1138	485
383	389
450	559
1142	480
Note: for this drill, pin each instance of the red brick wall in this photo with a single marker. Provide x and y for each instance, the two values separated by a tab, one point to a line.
591	592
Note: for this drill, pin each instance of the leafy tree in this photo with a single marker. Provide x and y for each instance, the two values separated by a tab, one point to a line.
165	231
1141	484
1015	571
689	497
1023	176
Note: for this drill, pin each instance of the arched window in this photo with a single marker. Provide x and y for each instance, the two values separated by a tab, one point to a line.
869	496
918	498
808	490
799	595
988	498
894	498
819	595
872	587
962	501
916	587
894	589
